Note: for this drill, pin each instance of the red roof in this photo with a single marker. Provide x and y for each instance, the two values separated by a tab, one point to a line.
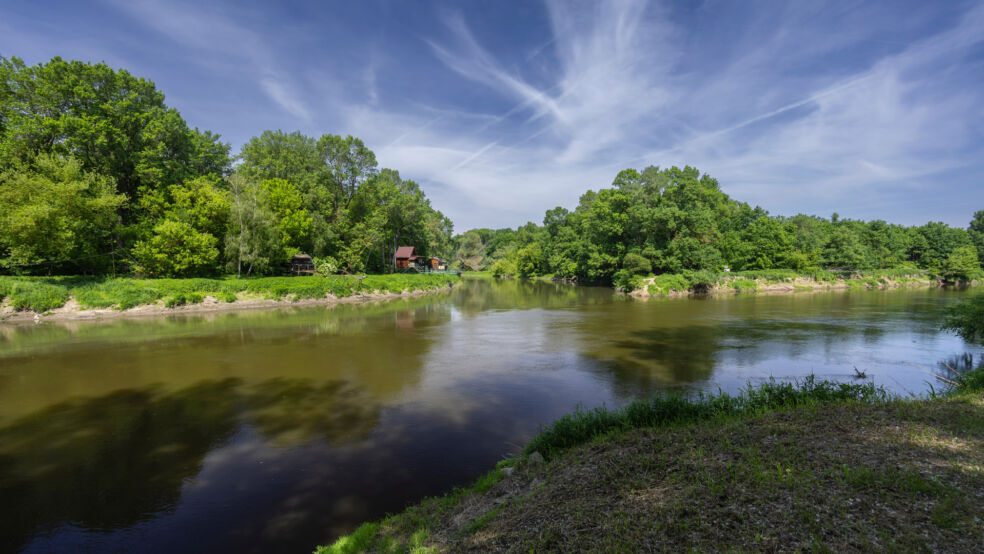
405	253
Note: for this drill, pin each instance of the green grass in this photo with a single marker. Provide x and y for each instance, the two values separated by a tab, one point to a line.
800	466
31	296
744	285
583	426
41	294
667	283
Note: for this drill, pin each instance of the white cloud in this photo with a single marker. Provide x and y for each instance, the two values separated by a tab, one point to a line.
780	110
221	44
619	99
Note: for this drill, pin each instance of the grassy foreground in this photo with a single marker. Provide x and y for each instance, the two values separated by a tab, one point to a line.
809	467
41	294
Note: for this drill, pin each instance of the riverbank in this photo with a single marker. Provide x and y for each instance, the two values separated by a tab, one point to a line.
817	466
30	298
772	282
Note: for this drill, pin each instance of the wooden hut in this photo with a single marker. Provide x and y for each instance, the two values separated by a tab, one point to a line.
405	257
301	264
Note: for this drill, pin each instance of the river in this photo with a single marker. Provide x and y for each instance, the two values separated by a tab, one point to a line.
277	430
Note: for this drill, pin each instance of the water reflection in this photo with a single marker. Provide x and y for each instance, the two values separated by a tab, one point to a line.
108	462
280	429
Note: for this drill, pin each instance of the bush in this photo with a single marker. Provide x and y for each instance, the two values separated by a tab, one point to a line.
743	285
503	267
668	282
175	250
327	266
966	319
626	280
703	280
961	266
636	264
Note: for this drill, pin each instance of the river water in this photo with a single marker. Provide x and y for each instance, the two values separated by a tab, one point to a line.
277	430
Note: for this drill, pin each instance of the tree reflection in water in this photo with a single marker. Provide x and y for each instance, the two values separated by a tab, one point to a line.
112	461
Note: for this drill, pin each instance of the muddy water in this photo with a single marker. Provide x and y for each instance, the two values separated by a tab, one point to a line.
277	430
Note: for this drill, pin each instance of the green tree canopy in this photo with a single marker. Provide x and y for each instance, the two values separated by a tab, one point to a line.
54	216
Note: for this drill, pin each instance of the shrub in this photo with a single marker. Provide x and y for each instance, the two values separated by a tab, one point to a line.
36	296
702	280
668	282
327	266
966	319
742	285
503	267
961	266
636	264
174	250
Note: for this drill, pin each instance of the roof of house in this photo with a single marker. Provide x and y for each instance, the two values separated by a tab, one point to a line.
405	252
301	257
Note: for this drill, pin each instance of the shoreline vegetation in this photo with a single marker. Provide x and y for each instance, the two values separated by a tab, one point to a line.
777	281
774	281
26	298
814	466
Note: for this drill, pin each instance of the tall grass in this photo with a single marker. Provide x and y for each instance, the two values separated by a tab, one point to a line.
667	409
40	294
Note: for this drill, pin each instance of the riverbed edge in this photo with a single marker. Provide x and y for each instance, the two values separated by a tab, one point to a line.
209	304
800	284
504	509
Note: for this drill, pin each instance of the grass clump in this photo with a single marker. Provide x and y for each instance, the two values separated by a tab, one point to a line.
30	294
668	282
744	285
585	425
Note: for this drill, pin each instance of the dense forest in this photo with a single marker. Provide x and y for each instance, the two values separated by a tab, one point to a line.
678	221
99	175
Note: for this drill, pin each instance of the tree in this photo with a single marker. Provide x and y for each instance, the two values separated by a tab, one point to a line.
967	319
349	163
471	251
56	216
201	203
113	123
767	244
961	265
976	232
176	249
636	264
252	243
293	220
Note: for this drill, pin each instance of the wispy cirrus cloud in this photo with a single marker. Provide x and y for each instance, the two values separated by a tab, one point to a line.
504	110
220	43
624	95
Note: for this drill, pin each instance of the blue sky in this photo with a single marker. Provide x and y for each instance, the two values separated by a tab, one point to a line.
502	110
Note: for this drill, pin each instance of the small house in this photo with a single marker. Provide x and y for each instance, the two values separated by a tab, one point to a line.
301	264
406	257
435	263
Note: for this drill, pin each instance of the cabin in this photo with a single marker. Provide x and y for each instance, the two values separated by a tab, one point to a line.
406	257
301	264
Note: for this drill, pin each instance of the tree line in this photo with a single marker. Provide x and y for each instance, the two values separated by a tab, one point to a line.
676	220
99	175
